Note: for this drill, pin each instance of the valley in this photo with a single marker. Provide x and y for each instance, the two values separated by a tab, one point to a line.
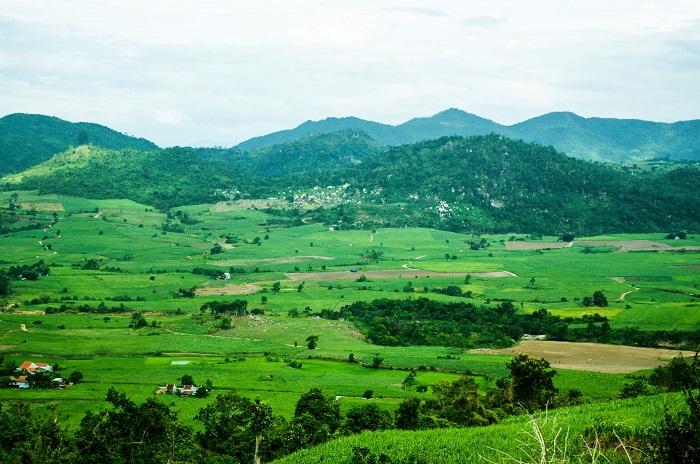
110	260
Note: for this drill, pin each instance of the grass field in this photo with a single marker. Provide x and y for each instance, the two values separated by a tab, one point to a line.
117	252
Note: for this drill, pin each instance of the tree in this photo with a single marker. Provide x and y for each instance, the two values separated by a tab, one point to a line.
276	287
311	341
227	426
530	381
408	414
187	380
261	419
300	287
366	417
5	285
599	299
317	416
75	377
147	433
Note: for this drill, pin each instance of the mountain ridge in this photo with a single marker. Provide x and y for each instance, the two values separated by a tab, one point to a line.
595	139
30	139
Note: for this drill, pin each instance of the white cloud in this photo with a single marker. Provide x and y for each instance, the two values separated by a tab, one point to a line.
218	72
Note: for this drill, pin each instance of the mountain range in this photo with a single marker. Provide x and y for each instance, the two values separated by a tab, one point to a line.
28	139
595	139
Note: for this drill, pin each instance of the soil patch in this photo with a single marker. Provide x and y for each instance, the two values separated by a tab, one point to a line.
228	289
404	273
536	245
594	357
43	207
6	347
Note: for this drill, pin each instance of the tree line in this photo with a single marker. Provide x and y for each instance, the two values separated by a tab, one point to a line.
422	321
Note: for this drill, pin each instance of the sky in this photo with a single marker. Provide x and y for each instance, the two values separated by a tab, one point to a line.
218	72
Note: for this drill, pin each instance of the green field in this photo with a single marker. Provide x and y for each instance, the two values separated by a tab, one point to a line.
117	253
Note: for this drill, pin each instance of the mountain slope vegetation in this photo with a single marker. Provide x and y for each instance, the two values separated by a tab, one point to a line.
493	184
601	139
319	152
29	139
476	184
163	178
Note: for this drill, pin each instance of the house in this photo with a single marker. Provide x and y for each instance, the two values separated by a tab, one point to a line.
172	389
19	382
32	368
188	390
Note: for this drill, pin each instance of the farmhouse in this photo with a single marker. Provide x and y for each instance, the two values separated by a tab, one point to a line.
19	382
171	388
32	368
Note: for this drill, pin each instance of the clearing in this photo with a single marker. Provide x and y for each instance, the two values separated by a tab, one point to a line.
228	289
623	246
398	274
593	357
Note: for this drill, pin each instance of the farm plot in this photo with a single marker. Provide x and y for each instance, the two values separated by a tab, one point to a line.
611	359
395	274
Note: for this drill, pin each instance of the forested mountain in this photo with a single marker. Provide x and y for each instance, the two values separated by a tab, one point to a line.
477	184
601	139
311	153
29	139
494	184
161	178
611	139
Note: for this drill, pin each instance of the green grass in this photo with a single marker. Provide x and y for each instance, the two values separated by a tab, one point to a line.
629	418
155	265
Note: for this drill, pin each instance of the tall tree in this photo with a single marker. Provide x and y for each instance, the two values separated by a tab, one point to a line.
531	383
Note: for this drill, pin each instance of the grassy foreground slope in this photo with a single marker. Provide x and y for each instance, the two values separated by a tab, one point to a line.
511	441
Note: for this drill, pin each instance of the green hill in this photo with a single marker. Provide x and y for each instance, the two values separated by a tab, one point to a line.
29	139
162	178
612	139
475	184
321	152
586	138
494	184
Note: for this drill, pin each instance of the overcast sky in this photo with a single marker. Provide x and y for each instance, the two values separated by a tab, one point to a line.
217	72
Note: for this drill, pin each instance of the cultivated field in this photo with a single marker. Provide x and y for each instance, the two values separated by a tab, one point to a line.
593	357
110	259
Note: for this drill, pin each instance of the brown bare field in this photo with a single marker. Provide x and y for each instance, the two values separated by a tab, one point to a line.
634	245
228	289
44	207
536	245
609	359
396	274
623	246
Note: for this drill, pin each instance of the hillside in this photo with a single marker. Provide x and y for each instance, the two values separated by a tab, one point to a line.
600	139
162	178
320	152
475	184
493	184
29	139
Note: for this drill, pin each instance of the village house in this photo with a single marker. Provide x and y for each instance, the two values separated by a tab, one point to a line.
32	368
171	388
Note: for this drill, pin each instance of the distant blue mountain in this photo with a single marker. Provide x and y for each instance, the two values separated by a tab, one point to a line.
600	139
